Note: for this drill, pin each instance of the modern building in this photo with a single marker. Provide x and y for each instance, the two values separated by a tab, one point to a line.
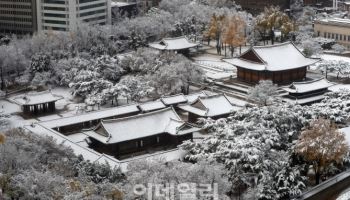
334	28
257	6
281	63
18	16
66	15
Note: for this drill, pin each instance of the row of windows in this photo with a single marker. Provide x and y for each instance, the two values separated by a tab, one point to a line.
17	19
55	22
54	8
336	36
92	6
55	15
54	28
92	13
16	6
95	19
11	12
55	1
15	25
86	1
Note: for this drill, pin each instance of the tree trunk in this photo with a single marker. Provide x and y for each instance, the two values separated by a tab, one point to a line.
317	177
2	79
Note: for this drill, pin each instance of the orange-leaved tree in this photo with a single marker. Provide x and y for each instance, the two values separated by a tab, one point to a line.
215	30
234	32
321	144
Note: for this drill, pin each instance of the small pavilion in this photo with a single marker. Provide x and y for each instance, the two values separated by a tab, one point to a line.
215	107
307	92
38	102
281	63
178	44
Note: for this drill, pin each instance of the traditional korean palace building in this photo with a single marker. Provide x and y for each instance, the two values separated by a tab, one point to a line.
139	133
179	44
117	134
307	92
215	107
281	63
37	102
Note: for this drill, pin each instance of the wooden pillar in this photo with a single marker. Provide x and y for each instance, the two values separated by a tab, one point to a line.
35	109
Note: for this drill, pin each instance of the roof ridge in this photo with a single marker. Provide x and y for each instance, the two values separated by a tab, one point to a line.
136	116
273	45
180	94
311	81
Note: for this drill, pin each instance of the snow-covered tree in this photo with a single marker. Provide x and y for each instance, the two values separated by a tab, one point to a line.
311	47
339	48
263	93
322	144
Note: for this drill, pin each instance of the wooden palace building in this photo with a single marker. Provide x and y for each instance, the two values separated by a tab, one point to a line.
281	63
137	134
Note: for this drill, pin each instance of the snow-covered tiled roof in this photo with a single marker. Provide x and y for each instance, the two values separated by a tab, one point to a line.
308	86
101	114
278	57
33	98
193	97
175	99
210	106
138	126
151	106
173	44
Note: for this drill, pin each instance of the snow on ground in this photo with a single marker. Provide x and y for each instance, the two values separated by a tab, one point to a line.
213	61
7	107
18	121
67	97
339	87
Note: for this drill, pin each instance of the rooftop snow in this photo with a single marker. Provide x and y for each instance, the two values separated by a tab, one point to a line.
210	106
173	44
308	86
101	114
334	21
193	97
176	99
33	98
278	57
121	4
138	126
151	106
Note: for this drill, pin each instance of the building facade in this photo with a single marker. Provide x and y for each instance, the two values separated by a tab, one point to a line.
18	16
66	15
335	28
257	6
281	63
